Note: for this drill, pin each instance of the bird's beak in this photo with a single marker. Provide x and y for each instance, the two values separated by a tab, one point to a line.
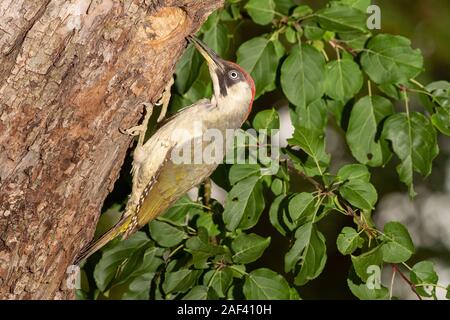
210	56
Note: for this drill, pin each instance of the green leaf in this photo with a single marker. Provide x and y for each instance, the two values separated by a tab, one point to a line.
180	281
278	187
114	256
238	271
308	252
302	206
231	13
165	234
248	247
139	287
341	18
219	281
142	264
423	273
337	109
301	11
283	6
356	40
398	246
363	292
440	90
359	193
354	172
217	39
276	214
197	293
367	260
313	31
206	221
261	11
244	204
392	91
362	133
303	75
201	249
344	79
293	294
390	59
361	5
441	120
264	284
267	119
199	89
330	35
260	57
178	212
439	104
240	172
187	69
313	143
134	275
313	116
313	260
414	141
211	22
447	296
291	35
348	241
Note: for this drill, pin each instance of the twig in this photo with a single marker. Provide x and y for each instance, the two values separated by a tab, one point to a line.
343	46
316	184
412	285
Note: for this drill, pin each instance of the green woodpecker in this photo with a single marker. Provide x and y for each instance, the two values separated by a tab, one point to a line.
158	181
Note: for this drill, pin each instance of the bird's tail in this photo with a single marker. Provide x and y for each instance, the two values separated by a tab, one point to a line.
103	240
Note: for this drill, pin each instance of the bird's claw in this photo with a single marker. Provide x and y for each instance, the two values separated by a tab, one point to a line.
133	131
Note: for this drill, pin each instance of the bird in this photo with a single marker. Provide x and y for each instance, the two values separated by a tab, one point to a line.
157	180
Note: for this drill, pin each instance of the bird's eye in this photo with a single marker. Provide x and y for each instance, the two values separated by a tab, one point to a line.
233	74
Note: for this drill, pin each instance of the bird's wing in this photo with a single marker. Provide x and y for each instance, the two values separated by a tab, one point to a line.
172	181
156	152
202	102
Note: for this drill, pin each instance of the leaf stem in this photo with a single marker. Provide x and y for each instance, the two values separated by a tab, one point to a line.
406	266
239	271
391	287
342	45
405	95
175	251
417	83
423	91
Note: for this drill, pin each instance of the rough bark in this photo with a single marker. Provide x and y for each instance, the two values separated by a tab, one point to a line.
71	74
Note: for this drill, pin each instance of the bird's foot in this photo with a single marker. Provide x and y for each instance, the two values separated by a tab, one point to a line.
141	129
164	100
133	131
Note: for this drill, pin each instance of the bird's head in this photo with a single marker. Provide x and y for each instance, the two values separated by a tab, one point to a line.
232	84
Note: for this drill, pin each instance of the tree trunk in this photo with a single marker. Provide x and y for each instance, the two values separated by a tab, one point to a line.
71	74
